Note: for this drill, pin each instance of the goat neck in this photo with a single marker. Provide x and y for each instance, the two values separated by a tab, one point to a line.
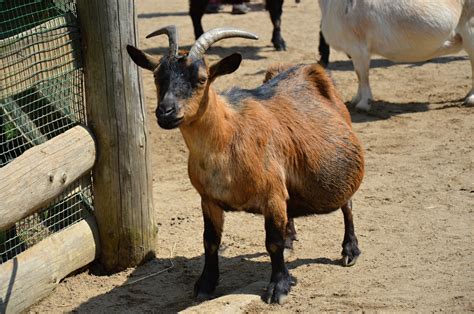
213	127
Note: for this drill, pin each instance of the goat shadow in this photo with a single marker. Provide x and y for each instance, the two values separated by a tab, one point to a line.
149	15
247	52
170	290
382	110
346	65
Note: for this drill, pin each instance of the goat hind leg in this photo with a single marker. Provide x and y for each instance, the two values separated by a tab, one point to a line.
350	248
469	100
196	11
290	234
361	61
213	224
275	8
468	45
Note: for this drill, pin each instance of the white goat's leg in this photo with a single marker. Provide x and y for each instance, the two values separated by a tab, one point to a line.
469	101
361	61
467	34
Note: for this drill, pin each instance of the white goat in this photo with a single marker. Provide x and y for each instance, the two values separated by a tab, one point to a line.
399	30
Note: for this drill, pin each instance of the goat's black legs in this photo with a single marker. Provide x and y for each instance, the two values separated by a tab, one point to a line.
213	223
290	234
275	7
280	281
196	11
350	249
323	49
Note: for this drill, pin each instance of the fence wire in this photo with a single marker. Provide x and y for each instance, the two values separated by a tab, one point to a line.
41	96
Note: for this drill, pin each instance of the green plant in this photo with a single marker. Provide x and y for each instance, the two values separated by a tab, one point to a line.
11	131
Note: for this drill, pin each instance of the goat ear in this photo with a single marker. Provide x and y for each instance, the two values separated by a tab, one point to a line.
226	66
142	59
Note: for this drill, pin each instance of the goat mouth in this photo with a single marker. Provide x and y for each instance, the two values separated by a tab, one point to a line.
170	123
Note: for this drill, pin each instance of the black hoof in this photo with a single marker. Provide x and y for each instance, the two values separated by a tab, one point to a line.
279	44
323	63
204	287
350	253
277	291
349	261
201	297
289	243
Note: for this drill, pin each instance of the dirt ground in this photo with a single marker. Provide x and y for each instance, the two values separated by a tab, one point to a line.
413	213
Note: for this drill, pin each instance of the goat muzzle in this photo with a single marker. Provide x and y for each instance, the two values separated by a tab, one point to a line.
168	119
167	113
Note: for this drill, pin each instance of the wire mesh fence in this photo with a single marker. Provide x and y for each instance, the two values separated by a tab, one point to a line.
41	96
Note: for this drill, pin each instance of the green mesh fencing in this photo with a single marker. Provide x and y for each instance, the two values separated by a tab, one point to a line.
41	96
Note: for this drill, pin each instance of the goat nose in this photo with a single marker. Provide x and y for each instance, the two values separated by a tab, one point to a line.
164	111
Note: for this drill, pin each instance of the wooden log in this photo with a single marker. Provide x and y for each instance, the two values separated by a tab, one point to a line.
41	173
117	116
33	274
42	52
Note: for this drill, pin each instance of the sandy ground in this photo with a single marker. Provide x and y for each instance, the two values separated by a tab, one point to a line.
413	213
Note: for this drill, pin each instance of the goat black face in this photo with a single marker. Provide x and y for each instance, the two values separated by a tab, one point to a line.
180	85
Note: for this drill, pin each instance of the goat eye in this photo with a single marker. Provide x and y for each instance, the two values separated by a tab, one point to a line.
202	80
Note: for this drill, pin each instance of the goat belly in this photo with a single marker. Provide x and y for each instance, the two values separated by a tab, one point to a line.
226	207
298	206
328	183
299	211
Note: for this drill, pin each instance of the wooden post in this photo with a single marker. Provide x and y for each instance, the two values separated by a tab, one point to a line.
116	114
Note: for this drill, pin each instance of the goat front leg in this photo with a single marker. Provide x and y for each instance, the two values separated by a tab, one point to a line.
276	229
350	248
213	224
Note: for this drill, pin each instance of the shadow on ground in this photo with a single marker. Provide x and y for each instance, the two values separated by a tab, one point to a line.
149	15
346	65
247	52
171	290
382	110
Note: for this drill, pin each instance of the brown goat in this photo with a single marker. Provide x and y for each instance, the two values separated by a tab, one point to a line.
285	149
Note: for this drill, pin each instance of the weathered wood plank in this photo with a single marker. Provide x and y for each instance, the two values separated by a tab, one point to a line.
43	172
33	274
45	51
117	116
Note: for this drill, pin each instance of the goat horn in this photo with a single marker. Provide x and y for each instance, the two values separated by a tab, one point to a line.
172	34
208	38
